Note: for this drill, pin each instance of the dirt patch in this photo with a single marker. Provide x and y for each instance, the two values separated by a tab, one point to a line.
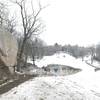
6	87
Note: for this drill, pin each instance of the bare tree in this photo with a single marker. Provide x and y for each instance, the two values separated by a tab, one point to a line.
6	21
30	22
3	13
33	49
10	24
92	53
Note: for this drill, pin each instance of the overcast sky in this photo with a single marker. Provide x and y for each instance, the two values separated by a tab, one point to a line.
72	22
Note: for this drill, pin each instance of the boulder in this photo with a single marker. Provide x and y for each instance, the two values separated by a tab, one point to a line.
8	49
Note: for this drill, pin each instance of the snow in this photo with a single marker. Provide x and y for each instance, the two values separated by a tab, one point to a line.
49	88
64	59
55	59
84	85
95	63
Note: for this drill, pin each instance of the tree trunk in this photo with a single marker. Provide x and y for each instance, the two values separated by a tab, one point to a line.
19	60
25	63
33	57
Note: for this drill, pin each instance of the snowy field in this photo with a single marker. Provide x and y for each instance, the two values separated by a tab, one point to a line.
84	85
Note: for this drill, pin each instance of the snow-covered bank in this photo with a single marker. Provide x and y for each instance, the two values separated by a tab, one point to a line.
50	88
84	85
63	59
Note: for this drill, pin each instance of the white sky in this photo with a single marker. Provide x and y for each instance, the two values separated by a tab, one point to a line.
72	22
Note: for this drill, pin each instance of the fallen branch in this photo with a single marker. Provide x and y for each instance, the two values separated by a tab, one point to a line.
96	68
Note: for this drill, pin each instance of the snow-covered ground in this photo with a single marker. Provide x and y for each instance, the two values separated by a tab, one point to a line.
84	85
94	63
63	59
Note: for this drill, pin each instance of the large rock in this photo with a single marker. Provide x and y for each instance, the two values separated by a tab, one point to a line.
8	49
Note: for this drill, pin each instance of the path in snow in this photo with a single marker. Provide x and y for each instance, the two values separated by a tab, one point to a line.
50	88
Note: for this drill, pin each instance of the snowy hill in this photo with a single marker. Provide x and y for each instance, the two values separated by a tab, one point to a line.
63	59
84	85
51	88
